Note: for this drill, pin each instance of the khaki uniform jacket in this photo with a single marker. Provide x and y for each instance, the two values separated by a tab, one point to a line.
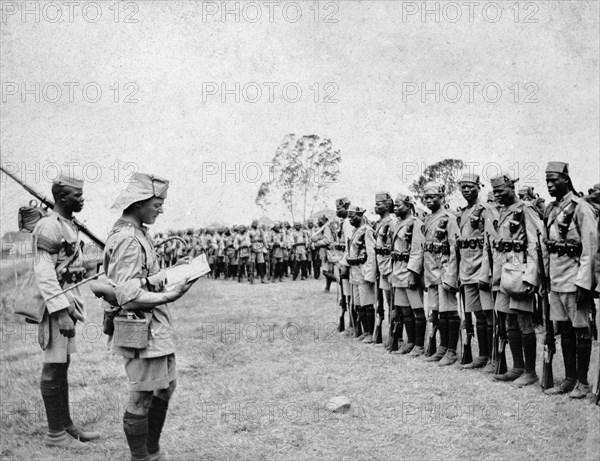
366	272
568	272
129	256
49	254
474	222
276	242
440	267
346	231
382	231
526	232
400	245
258	240
299	242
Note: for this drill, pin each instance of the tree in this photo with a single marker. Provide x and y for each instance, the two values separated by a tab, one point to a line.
302	170
445	171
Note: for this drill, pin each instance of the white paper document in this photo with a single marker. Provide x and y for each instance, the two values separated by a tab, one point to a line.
195	269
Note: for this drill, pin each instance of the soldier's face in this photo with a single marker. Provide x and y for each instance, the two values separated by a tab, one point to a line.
341	212
469	191
504	194
355	220
400	208
73	199
150	209
557	184
297	226
433	201
381	207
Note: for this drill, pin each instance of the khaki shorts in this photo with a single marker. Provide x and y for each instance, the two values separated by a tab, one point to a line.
563	307
508	305
439	299
364	294
476	300
257	257
406	297
59	346
150	374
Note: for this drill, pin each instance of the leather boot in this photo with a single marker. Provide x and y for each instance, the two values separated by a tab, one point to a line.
568	346
449	358
529	349
510	375
584	351
439	354
64	440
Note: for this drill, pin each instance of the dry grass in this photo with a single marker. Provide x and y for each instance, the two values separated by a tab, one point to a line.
257	364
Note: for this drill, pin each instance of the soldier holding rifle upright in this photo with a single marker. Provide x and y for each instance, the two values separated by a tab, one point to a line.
571	240
516	278
474	221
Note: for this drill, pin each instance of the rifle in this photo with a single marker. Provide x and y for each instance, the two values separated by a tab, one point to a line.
467	324
431	343
500	338
50	204
393	326
377	333
549	341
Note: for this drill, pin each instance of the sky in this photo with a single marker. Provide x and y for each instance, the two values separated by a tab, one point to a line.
203	93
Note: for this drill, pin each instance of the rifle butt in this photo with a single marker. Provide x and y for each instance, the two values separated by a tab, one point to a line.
431	344
501	366
342	322
377	336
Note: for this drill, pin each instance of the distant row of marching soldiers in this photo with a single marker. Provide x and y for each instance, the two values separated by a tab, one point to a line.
245	253
506	261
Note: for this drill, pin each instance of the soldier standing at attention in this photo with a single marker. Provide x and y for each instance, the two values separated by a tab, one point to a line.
299	251
570	226
58	263
407	241
258	246
474	221
130	263
441	272
341	242
517	230
360	256
384	205
242	245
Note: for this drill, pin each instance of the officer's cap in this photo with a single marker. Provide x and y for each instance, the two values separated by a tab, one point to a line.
470	177
342	202
382	196
433	188
141	186
356	210
504	178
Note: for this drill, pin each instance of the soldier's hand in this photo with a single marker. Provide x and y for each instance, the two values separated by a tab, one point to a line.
530	288
180	289
412	280
159	280
483	286
66	325
185	260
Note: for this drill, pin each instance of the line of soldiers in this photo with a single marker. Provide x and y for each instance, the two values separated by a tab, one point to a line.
481	260
242	252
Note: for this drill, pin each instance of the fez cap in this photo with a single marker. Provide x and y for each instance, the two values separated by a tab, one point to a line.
505	178
342	202
356	210
141	186
433	188
70	179
381	196
558	167
470	177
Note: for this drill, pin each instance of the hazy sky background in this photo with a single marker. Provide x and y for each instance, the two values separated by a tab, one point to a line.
371	55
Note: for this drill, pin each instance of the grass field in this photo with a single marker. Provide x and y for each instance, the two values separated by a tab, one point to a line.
257	366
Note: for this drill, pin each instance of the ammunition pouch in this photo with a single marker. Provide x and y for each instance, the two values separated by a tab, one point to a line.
508	245
357	261
400	257
470	243
72	275
382	251
339	247
437	248
564	248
